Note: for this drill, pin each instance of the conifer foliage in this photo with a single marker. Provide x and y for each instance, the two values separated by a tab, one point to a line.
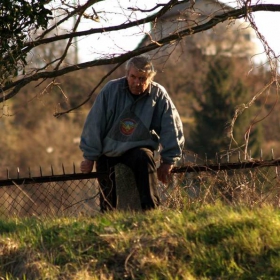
223	92
18	19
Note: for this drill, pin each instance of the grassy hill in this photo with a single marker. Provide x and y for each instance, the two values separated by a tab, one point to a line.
213	242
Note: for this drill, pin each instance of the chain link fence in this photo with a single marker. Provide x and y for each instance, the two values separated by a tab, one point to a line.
190	185
51	199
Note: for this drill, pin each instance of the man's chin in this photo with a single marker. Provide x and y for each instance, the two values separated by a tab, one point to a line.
136	90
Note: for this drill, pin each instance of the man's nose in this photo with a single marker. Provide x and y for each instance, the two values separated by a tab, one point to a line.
138	81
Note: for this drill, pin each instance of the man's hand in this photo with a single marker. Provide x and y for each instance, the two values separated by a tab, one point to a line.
86	166
164	171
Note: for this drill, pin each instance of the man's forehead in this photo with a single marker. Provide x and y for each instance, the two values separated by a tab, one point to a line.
136	72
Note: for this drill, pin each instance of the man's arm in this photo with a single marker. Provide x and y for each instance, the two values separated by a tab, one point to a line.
171	138
170	129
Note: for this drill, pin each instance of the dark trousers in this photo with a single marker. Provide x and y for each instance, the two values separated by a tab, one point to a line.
142	163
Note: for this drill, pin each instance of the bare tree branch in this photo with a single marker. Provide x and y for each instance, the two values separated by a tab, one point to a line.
30	45
11	89
90	94
78	11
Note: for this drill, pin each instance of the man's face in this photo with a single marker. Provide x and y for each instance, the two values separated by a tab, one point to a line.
138	81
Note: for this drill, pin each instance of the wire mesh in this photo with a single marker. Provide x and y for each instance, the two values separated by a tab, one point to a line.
249	186
50	199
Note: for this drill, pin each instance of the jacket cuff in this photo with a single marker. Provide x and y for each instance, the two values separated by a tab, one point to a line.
167	161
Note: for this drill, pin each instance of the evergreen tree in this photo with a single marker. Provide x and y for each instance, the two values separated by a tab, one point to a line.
223	92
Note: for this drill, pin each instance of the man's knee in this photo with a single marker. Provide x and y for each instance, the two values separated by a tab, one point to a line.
143	153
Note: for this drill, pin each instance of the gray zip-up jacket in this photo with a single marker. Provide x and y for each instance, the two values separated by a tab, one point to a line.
117	123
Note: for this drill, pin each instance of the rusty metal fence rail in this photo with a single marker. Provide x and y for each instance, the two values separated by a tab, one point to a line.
249	183
65	194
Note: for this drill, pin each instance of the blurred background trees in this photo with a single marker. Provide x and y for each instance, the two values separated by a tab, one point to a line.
223	92
207	74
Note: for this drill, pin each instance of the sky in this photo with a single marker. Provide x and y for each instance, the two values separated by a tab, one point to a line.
267	23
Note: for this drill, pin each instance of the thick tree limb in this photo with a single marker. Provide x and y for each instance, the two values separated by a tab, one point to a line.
13	88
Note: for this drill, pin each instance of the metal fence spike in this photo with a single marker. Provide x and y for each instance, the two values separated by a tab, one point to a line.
272	154
239	157
75	204
74	168
52	169
29	172
41	173
63	170
18	172
261	156
8	173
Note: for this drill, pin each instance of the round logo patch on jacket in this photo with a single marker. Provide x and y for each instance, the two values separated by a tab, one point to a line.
127	126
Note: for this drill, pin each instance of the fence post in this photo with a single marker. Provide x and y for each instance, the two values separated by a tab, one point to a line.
127	193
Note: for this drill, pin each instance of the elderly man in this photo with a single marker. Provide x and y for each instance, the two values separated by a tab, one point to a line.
132	117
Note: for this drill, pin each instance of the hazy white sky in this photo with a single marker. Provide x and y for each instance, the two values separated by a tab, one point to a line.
267	23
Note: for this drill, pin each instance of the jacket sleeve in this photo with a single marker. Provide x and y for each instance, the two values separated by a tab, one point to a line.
171	133
94	129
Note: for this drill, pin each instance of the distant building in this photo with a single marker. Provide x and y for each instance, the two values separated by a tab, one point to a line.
230	38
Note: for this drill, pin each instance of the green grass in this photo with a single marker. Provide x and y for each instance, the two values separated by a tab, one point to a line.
213	242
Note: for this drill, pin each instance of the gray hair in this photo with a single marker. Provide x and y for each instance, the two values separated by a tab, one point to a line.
143	63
